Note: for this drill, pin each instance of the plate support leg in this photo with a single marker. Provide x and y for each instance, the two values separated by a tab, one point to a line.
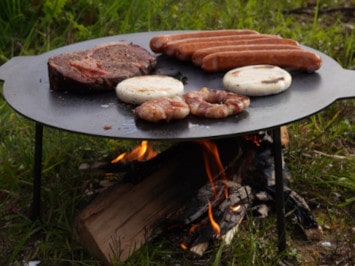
280	202
37	172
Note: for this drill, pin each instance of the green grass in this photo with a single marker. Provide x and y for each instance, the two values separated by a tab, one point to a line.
321	154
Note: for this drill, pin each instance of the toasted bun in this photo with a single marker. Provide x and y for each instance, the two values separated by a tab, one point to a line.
139	89
257	80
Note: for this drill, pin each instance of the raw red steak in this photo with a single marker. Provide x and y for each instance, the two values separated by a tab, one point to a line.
100	68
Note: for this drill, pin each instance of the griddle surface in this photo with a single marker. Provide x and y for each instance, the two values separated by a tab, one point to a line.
26	89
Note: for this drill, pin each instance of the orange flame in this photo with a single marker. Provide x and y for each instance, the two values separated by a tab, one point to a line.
214	224
213	164
254	138
142	152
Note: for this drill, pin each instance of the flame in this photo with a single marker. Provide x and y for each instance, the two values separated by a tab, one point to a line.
213	164
142	152
254	138
214	224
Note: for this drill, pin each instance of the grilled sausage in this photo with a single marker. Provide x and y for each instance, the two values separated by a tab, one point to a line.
172	47
184	51
198	55
157	43
298	59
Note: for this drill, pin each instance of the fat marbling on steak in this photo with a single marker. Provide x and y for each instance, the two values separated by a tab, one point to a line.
99	68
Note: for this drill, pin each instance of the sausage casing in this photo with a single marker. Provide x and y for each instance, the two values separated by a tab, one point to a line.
184	51
158	43
198	55
296	59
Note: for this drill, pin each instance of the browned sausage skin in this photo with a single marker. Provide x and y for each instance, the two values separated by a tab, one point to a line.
198	55
297	59
172	47
184	51
157	43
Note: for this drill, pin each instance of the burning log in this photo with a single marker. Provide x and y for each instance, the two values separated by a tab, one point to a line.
124	162
210	217
138	169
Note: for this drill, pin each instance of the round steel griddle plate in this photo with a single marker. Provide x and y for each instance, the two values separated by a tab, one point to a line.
26	89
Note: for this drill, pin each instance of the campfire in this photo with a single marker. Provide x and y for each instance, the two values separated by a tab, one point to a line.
197	191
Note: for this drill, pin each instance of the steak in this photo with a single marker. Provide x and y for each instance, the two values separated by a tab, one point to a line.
100	68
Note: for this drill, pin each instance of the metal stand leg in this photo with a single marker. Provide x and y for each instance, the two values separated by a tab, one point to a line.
36	205
280	202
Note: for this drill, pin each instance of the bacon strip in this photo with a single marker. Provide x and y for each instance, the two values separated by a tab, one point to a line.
215	103
162	109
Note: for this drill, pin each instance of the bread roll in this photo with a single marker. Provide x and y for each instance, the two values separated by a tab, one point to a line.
257	80
139	89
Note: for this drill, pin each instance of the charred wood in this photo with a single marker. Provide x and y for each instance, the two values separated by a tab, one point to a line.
194	219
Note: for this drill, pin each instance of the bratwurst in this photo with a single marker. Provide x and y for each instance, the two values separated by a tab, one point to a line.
222	50
199	54
158	43
172	46
295	59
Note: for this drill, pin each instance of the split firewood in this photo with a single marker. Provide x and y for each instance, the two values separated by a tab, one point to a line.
285	138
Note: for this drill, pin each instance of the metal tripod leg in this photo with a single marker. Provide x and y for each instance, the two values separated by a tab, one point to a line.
37	172
280	202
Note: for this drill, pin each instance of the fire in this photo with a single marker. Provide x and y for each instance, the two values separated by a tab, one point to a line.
142	152
255	139
213	164
214	224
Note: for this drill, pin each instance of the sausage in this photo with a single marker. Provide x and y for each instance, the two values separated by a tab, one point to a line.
198	55
296	59
172	47
157	43
184	51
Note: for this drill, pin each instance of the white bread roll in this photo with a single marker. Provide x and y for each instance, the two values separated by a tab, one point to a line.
139	89
257	80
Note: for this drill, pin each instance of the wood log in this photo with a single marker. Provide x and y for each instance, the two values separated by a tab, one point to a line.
125	216
285	138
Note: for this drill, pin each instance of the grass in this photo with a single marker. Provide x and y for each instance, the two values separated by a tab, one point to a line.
321	154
